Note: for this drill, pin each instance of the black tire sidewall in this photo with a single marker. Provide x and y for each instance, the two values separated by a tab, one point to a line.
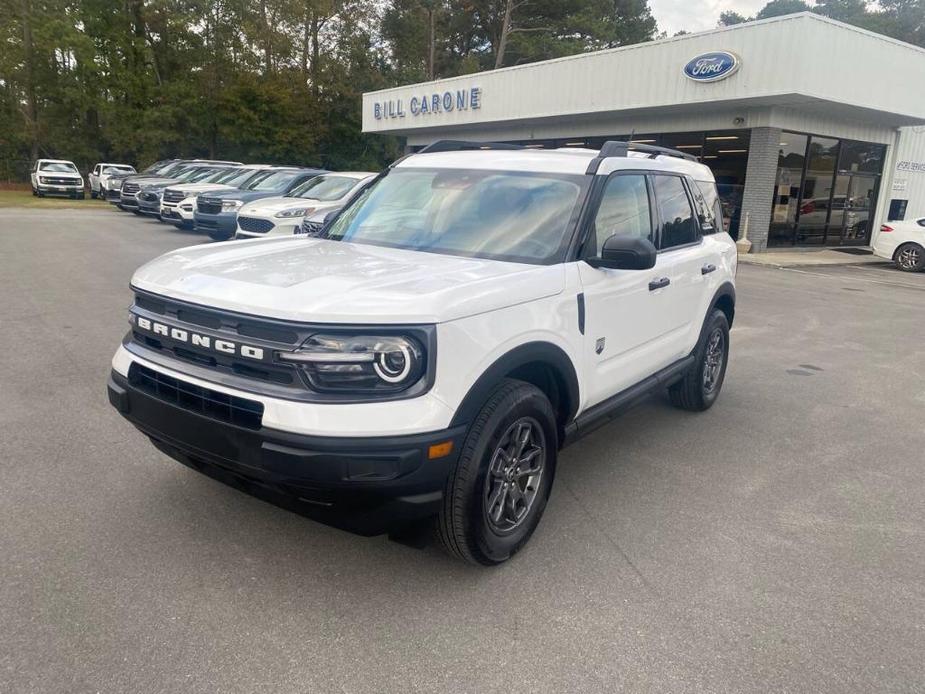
485	543
716	320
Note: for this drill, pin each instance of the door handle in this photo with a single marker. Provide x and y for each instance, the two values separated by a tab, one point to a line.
707	269
659	283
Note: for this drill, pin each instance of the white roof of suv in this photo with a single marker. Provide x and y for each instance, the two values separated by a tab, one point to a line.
570	160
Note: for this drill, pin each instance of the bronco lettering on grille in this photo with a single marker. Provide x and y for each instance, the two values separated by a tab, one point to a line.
196	339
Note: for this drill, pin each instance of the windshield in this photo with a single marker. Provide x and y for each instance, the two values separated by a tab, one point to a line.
502	215
206	175
118	169
237	177
325	188
58	167
276	180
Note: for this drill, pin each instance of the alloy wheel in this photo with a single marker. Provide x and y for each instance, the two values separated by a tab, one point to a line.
514	475
908	258
713	360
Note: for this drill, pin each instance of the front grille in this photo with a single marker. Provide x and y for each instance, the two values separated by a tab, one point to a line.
149	197
209	205
173	195
58	181
254	225
204	401
130	188
311	228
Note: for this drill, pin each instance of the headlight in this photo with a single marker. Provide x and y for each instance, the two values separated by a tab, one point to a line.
360	363
231	204
42	179
295	212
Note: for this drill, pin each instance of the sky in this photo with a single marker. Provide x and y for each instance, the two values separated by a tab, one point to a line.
697	15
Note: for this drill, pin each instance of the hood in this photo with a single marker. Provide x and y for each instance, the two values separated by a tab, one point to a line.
270	206
61	174
314	280
244	195
201	187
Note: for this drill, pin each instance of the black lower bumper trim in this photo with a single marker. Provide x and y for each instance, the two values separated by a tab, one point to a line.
368	485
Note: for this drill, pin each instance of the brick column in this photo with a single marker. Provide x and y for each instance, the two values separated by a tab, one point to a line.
760	178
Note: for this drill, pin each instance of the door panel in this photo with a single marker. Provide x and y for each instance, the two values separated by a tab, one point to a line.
628	330
627	325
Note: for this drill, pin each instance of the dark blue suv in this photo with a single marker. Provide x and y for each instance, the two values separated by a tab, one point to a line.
217	213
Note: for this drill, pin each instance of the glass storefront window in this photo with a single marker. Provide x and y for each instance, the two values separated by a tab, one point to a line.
791	158
826	191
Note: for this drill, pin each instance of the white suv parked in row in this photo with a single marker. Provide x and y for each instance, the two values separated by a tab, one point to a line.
471	311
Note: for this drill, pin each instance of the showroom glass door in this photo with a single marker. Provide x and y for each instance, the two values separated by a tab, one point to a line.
854	199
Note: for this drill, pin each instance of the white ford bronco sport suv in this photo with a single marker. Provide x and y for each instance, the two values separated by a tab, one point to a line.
469	312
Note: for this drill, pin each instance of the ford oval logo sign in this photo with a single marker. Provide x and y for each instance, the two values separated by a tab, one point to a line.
710	67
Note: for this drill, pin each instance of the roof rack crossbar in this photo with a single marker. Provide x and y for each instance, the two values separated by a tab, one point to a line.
461	145
619	148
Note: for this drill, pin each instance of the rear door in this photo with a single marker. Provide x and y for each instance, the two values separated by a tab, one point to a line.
688	261
628	325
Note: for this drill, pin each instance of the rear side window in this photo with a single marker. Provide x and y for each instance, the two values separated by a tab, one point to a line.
706	198
679	226
624	211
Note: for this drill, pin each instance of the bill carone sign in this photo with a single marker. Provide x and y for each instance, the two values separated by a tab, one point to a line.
428	104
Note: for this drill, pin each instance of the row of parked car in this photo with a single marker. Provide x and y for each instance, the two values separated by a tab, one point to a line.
229	199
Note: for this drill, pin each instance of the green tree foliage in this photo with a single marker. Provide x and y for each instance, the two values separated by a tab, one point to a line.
256	80
900	19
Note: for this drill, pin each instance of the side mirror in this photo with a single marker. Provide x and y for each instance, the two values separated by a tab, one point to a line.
625	253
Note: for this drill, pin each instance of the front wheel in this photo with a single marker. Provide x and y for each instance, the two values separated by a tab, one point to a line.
910	257
217	235
496	495
700	387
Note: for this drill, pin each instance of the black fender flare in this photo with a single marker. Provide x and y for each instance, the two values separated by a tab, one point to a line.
725	293
528	353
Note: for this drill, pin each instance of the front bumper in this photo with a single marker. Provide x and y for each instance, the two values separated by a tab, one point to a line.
152	207
49	189
224	224
128	202
368	485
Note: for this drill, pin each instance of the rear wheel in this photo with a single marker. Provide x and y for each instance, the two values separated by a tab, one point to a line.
910	257
497	493
700	387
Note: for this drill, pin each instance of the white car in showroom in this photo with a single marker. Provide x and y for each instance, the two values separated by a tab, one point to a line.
903	243
102	173
283	216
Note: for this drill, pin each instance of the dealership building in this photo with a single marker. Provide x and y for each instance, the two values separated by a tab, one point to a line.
814	129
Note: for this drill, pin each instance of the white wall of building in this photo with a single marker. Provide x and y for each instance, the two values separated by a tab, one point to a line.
908	171
799	63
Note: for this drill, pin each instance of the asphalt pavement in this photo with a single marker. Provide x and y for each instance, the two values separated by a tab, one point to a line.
774	543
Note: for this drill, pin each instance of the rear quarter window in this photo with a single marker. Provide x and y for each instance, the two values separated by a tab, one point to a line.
709	205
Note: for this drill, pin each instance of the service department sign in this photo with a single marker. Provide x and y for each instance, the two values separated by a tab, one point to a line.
712	67
429	104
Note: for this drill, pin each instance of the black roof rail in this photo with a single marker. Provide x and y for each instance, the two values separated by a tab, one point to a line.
618	148
462	145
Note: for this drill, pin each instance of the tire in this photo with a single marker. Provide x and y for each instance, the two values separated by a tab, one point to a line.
41	194
34	192
81	196
909	257
699	389
476	488
217	235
